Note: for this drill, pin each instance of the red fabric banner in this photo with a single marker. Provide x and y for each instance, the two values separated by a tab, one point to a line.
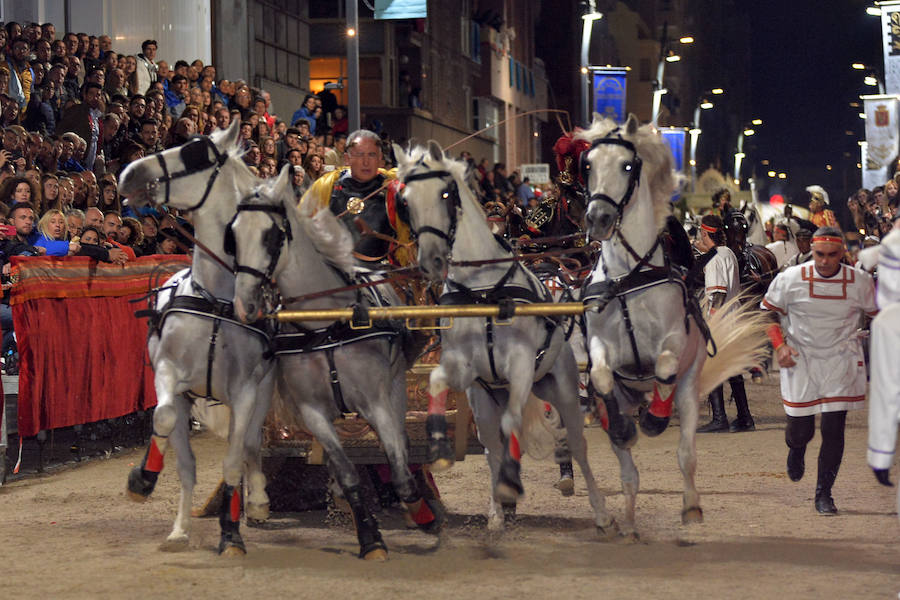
82	352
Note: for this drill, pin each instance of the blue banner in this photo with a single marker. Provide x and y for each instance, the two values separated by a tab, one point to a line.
401	9
609	92
675	138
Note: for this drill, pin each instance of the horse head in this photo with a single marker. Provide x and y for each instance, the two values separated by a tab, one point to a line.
256	237
619	161
431	195
173	177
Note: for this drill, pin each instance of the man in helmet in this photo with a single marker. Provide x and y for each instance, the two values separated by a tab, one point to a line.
819	214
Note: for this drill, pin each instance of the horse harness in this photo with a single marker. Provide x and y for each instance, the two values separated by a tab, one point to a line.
505	295
195	156
633	168
299	339
206	306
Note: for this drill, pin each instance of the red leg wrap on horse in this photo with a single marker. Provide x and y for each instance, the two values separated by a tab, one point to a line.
154	460
423	515
235	508
659	407
514	450
602	415
437	405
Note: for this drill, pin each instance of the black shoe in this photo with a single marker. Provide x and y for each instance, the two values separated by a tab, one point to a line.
795	464
714	426
825	505
739	425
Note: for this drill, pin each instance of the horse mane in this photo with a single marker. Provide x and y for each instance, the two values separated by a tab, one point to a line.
245	177
419	155
328	235
658	168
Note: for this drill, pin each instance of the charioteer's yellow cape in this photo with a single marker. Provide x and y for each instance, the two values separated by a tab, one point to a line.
318	197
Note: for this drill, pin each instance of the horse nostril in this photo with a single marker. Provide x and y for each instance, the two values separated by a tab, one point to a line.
251	310
605	220
438	263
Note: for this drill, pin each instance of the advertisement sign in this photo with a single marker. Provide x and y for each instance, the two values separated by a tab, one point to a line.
536	173
401	9
882	138
609	92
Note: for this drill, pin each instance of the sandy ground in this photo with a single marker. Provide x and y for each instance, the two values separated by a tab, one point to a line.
73	534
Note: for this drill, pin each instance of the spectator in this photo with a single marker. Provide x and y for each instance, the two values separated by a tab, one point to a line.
131	234
341	124
18	65
92	246
74	222
176	97
93	217
39	115
109	197
18	190
112	221
53	233
150	229
84	120
146	71
524	193
49	191
306	111
314	166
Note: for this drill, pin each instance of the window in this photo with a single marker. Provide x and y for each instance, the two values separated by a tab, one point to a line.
277	34
334	69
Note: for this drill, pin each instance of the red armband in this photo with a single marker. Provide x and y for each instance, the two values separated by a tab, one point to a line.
775	336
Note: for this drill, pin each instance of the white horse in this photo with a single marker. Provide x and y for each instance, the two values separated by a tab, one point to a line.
510	361
197	349
326	368
645	333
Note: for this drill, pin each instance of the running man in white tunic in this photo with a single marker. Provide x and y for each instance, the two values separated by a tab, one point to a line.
884	391
817	345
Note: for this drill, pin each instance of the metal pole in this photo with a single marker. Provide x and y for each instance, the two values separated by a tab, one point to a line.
695	139
376	313
659	91
586	29
353	64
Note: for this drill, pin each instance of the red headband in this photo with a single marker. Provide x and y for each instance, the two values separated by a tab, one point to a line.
709	228
828	239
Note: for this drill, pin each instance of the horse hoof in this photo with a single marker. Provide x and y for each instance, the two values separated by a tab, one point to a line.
377	555
135	497
440	464
652	425
692	515
232	551
506	493
257	512
566	486
608	531
630	537
174	544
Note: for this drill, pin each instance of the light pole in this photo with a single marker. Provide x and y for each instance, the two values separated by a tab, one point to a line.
746	131
352	65
695	131
588	19
871	78
666	55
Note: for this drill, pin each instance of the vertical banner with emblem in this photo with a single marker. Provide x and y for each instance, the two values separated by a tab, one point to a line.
675	138
890	28
609	92
882	143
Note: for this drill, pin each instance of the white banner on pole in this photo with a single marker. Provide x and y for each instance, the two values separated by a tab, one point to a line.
536	173
890	42
882	139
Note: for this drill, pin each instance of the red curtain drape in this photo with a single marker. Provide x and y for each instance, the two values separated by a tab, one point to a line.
82	359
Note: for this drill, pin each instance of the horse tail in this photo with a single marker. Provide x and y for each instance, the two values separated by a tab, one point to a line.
739	330
214	416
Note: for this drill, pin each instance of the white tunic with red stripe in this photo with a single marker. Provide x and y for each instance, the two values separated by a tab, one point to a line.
721	275
820	317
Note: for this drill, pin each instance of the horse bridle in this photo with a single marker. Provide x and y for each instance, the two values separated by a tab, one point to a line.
274	238
450	194
634	175
195	156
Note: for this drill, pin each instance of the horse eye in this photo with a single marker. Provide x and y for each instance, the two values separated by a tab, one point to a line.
627	167
445	195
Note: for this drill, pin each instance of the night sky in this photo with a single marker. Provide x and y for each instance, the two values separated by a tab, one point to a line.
802	85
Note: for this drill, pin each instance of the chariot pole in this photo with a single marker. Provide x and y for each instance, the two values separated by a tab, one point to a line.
361	318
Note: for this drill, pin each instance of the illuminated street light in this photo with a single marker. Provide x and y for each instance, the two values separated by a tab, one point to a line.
687	39
584	70
673	57
828	167
782	176
717	91
706	104
588	19
771	173
873	11
351	32
858	66
862	116
756	122
764	161
871	80
748	132
592	15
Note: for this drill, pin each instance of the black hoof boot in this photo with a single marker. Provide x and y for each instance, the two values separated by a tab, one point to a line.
566	483
141	483
621	431
509	484
230	541
440	453
652	425
795	463
371	545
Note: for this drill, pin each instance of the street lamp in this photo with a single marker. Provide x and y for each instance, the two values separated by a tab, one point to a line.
588	19
739	156
871	78
695	131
